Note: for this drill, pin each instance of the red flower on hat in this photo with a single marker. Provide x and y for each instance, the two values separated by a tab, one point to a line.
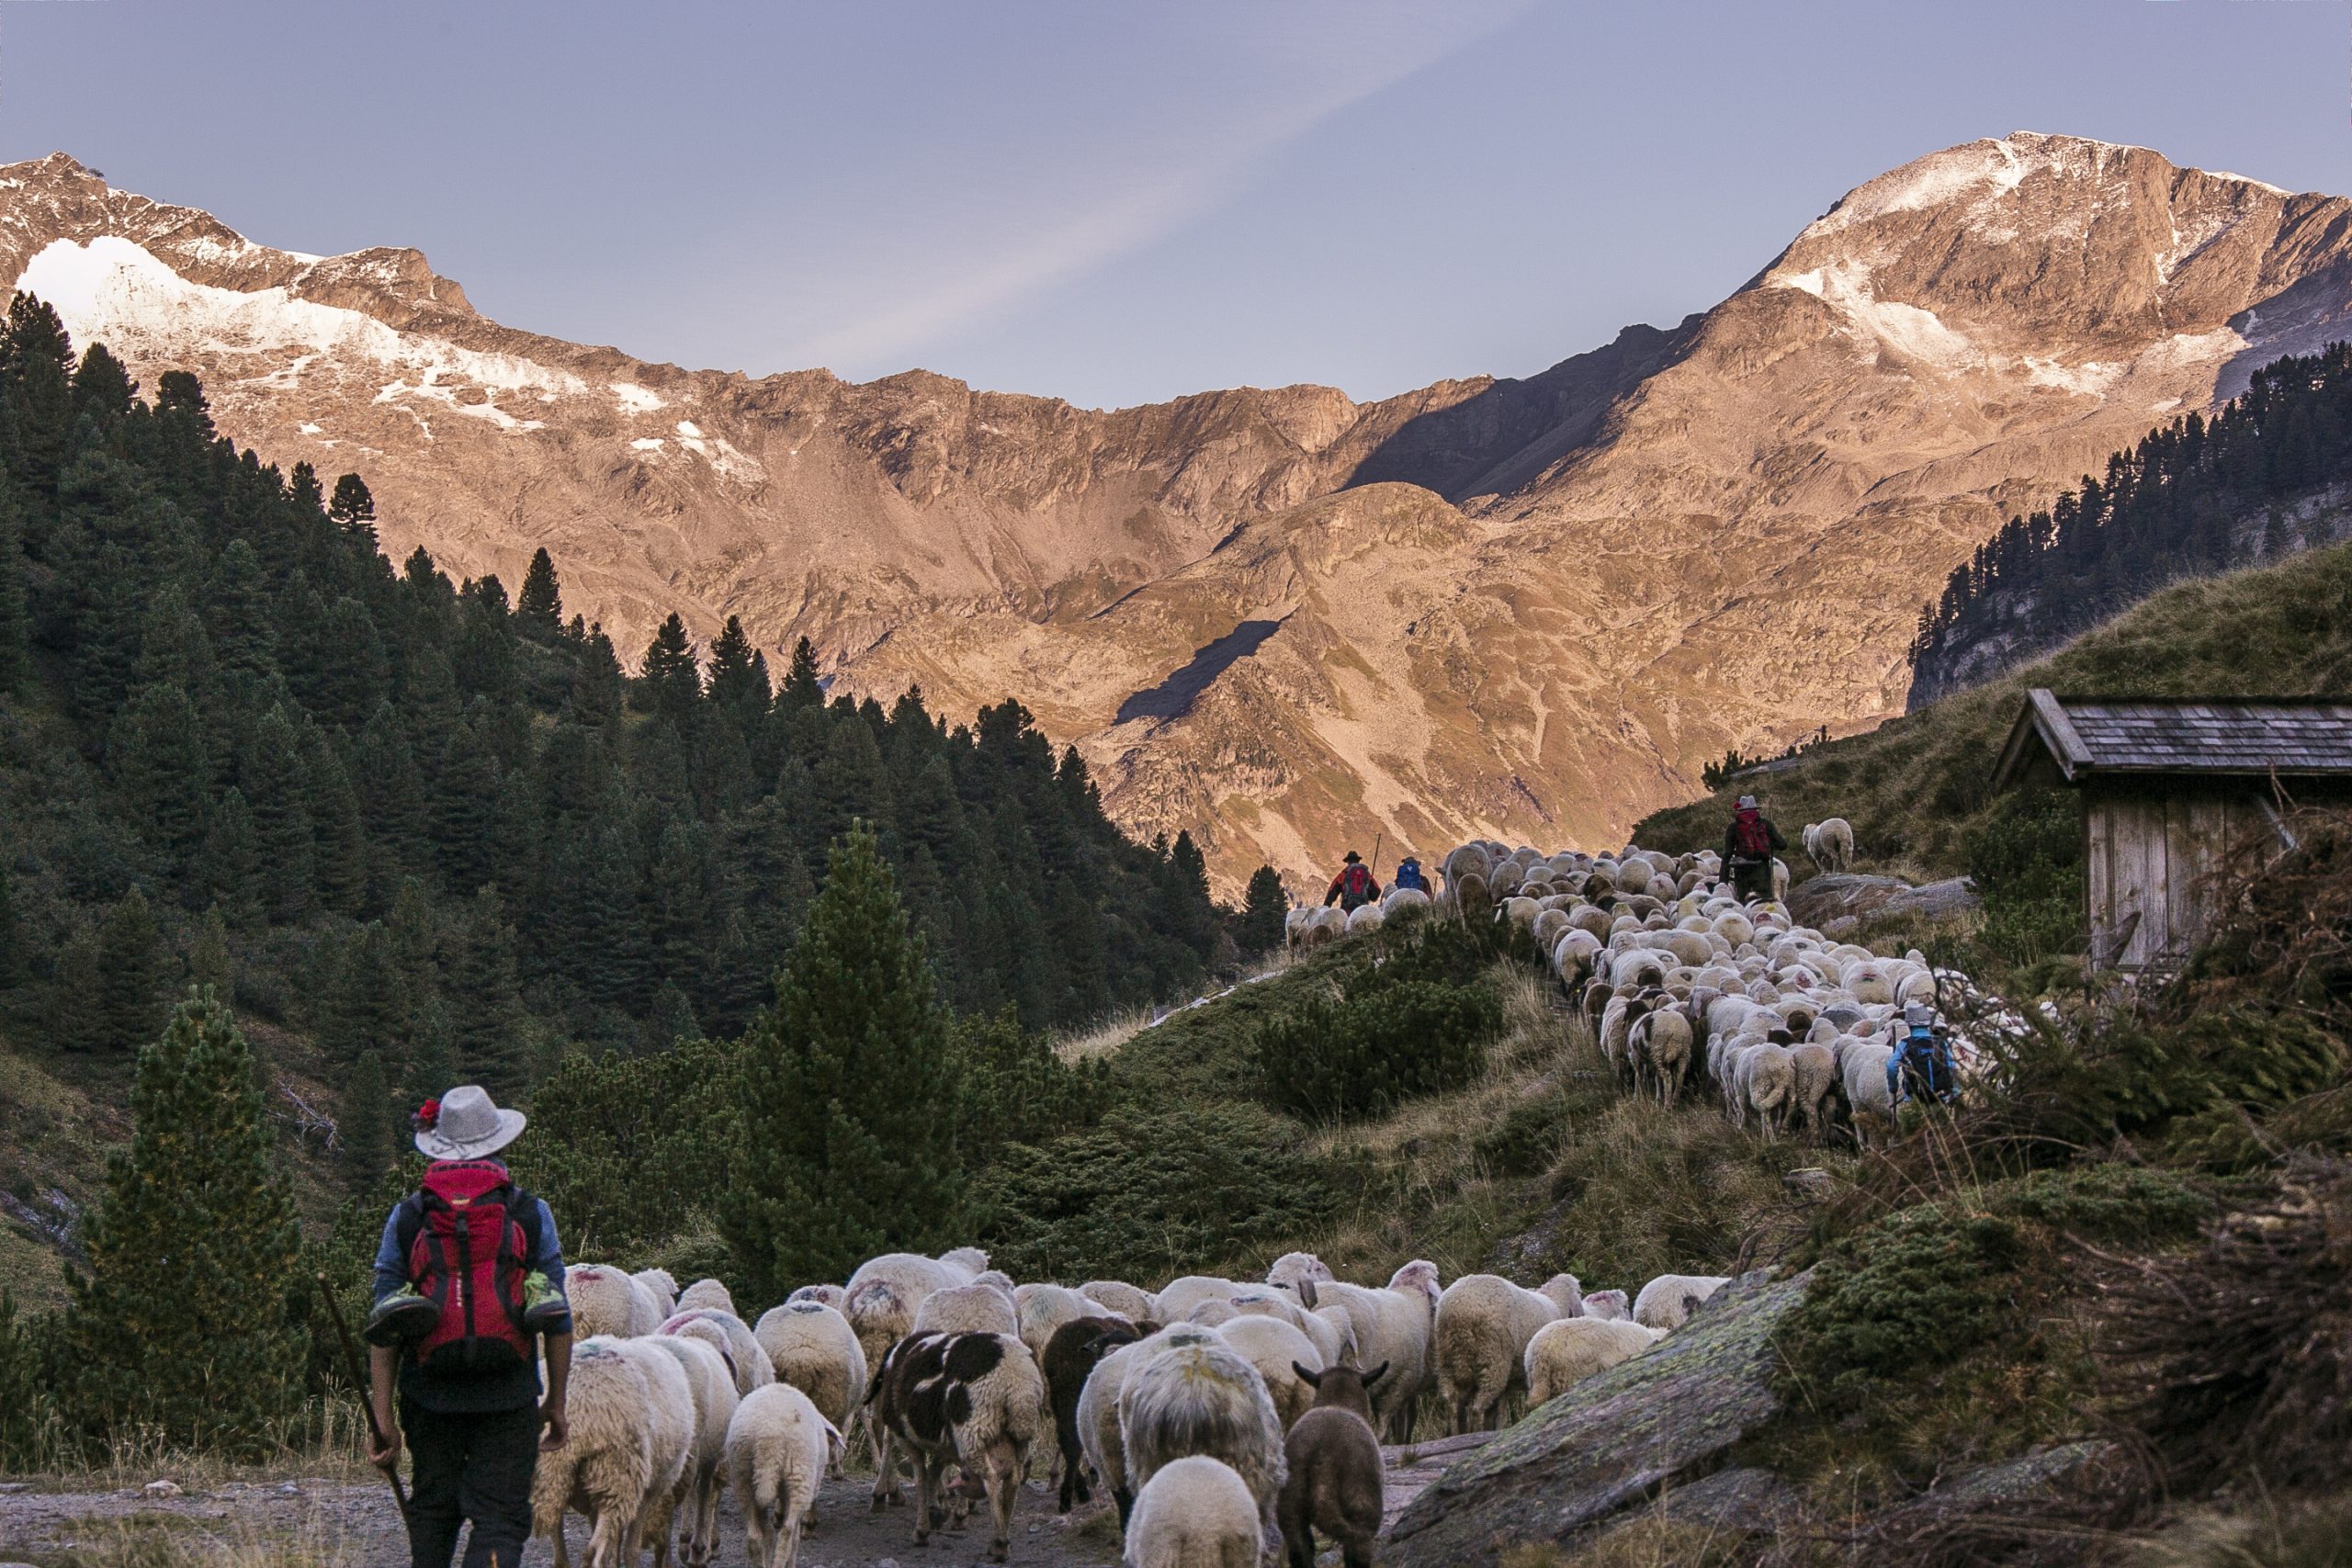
427	1115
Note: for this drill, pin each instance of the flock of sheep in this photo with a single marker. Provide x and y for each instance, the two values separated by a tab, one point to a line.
1682	981
1230	1421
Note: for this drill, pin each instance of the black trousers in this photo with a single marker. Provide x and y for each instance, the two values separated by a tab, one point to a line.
474	1466
1752	883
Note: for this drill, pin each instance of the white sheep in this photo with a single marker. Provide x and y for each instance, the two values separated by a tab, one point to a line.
1815	1069
1569	1350
1483	1325
970	1261
833	1296
1365	919
813	1348
705	1293
1130	1301
1176	1299
967	1309
882	1298
662	1288
608	1301
728	1335
1327	1327
1276	1349
1393	1325
1659	1043
1195	1513
778	1446
1608	1305
1041	1309
631	1427
1830	843
1288	1272
1862	1066
1669	1301
1199	1396
712	1384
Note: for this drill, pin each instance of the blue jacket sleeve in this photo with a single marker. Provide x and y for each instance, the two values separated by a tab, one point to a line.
391	1268
549	1258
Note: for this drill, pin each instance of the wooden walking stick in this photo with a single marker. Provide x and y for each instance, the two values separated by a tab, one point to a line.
357	1366
1373	869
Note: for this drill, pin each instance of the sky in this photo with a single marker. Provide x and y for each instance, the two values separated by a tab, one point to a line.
1122	202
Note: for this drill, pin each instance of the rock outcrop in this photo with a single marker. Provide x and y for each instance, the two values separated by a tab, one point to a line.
1844	900
1530	609
1648	1433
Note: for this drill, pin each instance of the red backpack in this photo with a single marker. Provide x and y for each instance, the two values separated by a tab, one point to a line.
467	1253
1355	882
1748	834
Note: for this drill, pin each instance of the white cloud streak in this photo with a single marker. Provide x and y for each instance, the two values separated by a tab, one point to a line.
1060	234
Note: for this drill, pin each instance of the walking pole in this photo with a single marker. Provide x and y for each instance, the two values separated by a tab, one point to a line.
1374	869
358	1370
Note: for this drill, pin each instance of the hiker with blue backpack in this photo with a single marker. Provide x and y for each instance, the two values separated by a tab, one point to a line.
469	1283
1408	874
1920	1067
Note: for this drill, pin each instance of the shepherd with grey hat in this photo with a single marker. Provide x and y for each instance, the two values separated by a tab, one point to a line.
468	1287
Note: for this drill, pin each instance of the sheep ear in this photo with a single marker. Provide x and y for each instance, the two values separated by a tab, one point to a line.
1311	1379
1373	1376
1307	1294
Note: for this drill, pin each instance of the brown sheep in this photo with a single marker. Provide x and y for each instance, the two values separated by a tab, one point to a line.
1335	1480
1069	1356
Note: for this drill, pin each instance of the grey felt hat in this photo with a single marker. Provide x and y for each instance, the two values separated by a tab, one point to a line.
467	1125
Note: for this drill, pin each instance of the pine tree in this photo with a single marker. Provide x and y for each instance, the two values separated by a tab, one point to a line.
365	1130
130	975
210	962
541	610
15	619
354	511
1264	907
277	786
486	1023
76	1020
802	686
849	1129
182	1325
598	686
739	676
157	755
228	869
12	939
669	683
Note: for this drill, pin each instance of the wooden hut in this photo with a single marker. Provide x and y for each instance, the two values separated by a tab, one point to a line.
2168	786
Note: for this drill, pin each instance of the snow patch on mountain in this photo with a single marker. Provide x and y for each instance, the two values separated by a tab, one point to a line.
634	399
113	290
1907	330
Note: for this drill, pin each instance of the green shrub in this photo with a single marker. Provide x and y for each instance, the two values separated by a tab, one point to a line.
1330	1061
2109	1204
1917	1290
2026	857
1151	1193
1526	1139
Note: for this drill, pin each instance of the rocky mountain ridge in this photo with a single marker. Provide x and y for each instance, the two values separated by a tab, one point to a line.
1531	608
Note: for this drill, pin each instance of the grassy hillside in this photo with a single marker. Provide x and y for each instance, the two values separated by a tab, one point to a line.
1914	786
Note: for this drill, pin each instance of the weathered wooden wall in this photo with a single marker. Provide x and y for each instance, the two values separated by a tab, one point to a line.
2152	848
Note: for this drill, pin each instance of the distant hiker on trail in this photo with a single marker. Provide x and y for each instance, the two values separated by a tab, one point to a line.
1353	888
1408	874
469	1278
1920	1067
1748	844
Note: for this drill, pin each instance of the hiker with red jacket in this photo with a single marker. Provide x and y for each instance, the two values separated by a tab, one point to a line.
469	1280
1748	844
1353	888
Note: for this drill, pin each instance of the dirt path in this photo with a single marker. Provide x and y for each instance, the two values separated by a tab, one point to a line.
350	1526
322	1523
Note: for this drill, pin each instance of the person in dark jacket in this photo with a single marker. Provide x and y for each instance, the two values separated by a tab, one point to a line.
1408	874
468	1284
1748	844
1353	888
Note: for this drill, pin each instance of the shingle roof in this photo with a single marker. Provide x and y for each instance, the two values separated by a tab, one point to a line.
2192	735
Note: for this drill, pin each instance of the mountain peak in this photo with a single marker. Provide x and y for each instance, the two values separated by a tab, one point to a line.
1499	608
